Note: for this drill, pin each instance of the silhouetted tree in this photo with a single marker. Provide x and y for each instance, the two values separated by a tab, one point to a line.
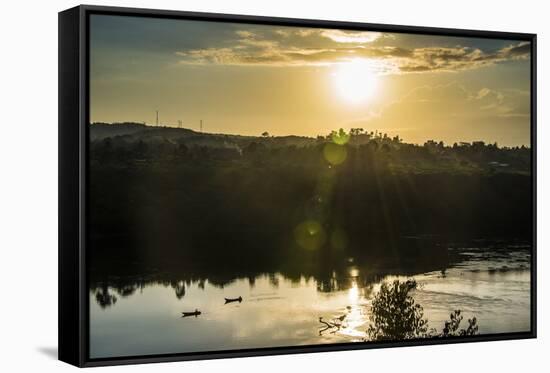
396	316
451	328
104	298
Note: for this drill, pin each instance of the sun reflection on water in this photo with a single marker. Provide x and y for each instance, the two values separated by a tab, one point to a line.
355	321
353	293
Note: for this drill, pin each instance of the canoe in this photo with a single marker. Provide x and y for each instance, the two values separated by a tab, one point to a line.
229	300
194	313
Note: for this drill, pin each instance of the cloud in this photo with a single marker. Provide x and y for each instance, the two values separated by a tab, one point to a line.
517	51
320	47
442	105
504	104
489	99
244	33
484	101
461	58
342	36
286	47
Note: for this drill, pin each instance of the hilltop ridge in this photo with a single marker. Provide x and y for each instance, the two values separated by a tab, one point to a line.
134	132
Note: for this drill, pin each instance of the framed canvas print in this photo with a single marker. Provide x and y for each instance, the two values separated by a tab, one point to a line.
238	186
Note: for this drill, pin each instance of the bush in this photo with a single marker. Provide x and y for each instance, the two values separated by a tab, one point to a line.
451	326
396	316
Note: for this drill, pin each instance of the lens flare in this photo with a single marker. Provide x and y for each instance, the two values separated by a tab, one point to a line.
310	235
335	154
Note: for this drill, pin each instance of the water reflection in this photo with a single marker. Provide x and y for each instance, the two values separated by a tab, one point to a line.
132	315
109	289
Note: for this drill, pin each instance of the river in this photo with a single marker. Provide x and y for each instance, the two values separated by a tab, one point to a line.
491	284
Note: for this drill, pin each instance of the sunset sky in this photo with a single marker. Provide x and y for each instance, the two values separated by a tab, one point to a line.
247	79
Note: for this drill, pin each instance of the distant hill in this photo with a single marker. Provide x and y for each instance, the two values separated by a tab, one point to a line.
99	131
134	132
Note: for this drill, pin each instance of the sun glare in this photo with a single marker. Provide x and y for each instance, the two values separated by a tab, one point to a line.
355	81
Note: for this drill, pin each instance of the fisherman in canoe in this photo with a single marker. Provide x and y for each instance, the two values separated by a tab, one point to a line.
229	300
194	313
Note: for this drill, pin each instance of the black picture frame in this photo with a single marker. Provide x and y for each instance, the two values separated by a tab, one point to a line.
73	172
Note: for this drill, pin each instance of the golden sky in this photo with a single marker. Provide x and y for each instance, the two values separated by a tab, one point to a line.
247	79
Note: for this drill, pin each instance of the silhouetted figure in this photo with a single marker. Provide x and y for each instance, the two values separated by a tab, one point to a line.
230	300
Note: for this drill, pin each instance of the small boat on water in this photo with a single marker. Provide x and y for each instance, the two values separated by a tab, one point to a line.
194	313
229	300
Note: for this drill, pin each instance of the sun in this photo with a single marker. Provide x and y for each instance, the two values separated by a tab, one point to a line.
355	81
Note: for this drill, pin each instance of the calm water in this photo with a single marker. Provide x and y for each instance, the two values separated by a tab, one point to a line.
493	285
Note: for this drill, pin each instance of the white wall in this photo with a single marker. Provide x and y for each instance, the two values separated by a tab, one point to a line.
28	182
